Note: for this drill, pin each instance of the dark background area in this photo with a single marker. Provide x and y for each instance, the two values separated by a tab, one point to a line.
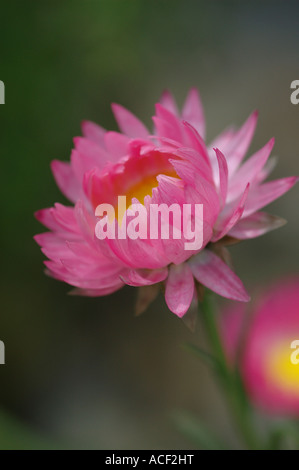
85	373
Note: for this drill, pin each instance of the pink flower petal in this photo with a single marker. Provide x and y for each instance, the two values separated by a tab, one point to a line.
99	189
209	214
116	144
45	217
179	289
56	251
223	176
49	239
262	195
86	251
139	253
268	168
204	193
81	164
170	190
85	221
213	273
93	132
196	141
193	112
225	224
169	117
255	225
82	275
168	102
92	150
165	130
185	171
96	274
167	124
65	217
195	158
249	171
128	123
240	143
97	292
144	277
223	140
66	180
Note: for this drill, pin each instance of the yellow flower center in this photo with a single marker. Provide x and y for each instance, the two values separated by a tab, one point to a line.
145	187
280	370
137	179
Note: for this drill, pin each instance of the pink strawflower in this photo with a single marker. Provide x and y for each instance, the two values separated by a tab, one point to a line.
171	165
262	341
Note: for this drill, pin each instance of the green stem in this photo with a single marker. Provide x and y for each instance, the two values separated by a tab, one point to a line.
229	380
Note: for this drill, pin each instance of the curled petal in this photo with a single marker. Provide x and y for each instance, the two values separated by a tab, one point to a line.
179	289
213	273
256	225
223	176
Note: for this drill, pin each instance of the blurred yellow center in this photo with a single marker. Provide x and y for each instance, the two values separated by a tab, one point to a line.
280	370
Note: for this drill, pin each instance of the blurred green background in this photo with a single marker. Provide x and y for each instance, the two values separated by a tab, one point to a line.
85	373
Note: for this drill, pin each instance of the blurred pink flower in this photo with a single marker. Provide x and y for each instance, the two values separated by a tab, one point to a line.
262	342
172	165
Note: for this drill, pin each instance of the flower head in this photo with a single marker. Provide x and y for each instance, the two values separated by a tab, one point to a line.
267	344
171	165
